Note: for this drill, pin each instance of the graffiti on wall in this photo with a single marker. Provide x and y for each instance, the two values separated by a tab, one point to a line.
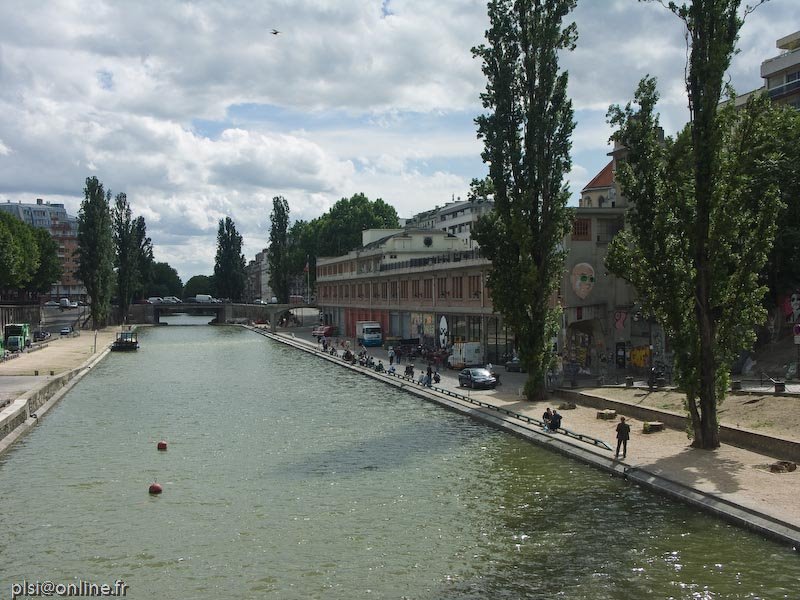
640	356
620	317
582	278
790	305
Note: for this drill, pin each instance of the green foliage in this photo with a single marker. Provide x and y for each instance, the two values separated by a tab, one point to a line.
199	284
706	252
127	263
96	249
164	281
278	249
526	138
144	258
229	263
49	270
20	258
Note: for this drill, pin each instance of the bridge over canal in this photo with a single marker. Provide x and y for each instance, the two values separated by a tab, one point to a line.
226	312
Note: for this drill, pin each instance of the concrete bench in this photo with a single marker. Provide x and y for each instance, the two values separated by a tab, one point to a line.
652	426
607	414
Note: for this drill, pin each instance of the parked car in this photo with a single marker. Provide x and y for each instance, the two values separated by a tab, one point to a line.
325	331
155	300
171	300
476	378
67	330
40	336
52	304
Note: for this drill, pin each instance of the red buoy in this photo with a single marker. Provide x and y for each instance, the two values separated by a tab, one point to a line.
162	445
155	488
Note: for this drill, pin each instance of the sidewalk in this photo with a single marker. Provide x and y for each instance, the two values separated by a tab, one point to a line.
728	477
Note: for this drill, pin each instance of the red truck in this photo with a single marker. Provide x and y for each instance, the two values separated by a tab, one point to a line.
325	331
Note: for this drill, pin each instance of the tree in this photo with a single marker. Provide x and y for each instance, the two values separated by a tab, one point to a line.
127	253
96	249
229	264
144	257
278	249
199	284
526	145
340	228
164	281
703	216
19	253
49	270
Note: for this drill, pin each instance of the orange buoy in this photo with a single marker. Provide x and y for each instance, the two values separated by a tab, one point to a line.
162	445
155	488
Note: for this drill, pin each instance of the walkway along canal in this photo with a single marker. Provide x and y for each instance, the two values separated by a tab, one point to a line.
292	477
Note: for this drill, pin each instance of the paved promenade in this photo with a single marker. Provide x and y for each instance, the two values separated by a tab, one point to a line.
728	480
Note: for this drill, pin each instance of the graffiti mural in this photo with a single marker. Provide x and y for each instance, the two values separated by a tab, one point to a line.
640	356
790	305
582	278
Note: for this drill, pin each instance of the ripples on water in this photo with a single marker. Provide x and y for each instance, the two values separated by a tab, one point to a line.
288	477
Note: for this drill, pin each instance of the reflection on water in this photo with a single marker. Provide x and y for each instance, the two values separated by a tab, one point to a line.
288	477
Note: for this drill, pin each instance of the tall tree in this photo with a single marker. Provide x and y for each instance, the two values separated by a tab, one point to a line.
199	284
703	217
278	248
526	138
229	264
144	257
96	249
126	256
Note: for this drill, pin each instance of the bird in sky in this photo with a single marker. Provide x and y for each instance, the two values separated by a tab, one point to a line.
275	32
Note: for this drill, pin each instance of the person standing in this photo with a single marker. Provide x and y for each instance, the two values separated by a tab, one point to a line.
623	435
391	355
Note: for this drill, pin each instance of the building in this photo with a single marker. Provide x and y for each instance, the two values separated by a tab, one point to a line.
604	329
64	229
782	73
257	278
455	218
425	284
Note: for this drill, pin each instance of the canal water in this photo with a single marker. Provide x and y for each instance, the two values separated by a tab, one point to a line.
289	477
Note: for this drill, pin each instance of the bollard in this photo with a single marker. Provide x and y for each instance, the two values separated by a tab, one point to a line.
736	385
629	382
52	373
780	387
36	372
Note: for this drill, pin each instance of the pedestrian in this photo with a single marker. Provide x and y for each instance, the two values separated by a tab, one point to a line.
546	417
429	376
391	355
555	421
623	435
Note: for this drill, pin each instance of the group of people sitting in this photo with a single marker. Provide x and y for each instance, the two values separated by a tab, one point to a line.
551	420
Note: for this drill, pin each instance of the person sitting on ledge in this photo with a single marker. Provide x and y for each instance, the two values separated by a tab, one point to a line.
555	421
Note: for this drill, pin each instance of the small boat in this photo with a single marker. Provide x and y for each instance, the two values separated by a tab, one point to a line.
126	340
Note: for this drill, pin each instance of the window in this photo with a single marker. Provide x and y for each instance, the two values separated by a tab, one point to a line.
427	288
404	290
393	290
475	286
582	230
384	290
441	287
415	288
458	287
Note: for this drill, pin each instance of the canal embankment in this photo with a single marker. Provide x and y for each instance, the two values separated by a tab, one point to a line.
33	382
732	482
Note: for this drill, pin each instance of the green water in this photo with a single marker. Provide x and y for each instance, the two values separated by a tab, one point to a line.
289	477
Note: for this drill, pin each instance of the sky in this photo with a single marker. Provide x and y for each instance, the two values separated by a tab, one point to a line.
197	111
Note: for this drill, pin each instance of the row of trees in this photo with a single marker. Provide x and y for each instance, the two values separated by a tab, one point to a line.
115	256
704	204
29	262
293	250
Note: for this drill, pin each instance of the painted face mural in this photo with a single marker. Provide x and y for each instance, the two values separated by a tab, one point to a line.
582	279
443	332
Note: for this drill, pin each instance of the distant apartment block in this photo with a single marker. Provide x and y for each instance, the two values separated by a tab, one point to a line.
456	218
782	73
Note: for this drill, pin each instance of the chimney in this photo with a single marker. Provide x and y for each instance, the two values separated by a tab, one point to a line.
39	201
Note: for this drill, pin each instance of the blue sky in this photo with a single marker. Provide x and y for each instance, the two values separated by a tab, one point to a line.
197	111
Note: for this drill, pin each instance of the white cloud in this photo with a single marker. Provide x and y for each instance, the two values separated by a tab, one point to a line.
197	111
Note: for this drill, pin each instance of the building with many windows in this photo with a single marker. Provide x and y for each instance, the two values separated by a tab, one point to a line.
782	73
64	229
455	218
424	284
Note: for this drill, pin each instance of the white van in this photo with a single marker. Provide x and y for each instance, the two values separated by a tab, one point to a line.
203	299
